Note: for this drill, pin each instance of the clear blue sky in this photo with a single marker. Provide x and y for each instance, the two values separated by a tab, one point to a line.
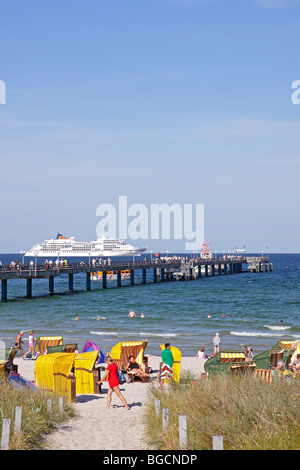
165	101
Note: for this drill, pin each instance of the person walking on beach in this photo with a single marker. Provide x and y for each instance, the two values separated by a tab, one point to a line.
18	343
30	344
217	342
111	375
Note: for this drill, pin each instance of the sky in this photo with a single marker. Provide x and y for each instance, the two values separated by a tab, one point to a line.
162	101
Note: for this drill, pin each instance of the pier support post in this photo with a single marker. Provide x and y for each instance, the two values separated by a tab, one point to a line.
29	287
162	274
219	269
71	283
104	280
225	268
199	270
132	277
212	269
51	285
206	270
3	289
119	277
144	276
154	275
88	281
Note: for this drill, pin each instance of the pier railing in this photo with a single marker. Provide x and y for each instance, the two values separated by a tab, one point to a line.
45	270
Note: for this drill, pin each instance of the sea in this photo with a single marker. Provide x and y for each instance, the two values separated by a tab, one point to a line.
259	308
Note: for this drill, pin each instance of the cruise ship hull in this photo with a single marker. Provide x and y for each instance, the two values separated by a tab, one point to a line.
83	254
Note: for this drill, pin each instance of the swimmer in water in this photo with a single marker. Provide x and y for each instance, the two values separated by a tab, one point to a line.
131	314
143	315
209	315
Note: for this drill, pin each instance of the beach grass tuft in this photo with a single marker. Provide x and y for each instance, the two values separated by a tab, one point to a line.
36	420
249	414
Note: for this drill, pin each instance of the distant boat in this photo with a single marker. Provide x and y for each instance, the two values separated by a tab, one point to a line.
205	252
69	247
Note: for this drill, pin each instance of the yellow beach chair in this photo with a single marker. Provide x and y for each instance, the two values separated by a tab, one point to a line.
177	363
86	374
52	373
43	342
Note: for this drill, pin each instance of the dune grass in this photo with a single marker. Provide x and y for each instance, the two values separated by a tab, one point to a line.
249	414
36	420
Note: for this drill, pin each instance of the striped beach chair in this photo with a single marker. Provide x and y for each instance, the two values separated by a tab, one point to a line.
43	342
125	349
228	361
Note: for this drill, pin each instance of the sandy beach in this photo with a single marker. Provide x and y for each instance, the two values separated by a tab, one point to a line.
97	427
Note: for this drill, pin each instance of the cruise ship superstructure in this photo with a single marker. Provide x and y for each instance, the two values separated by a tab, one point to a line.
69	247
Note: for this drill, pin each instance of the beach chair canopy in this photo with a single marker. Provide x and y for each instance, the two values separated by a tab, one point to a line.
84	367
125	349
296	351
67	348
270	357
8	355
90	346
43	342
224	361
50	365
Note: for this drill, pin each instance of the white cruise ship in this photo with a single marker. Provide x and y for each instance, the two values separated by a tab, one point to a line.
69	247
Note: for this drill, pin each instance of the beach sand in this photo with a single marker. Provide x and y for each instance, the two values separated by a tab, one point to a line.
97	427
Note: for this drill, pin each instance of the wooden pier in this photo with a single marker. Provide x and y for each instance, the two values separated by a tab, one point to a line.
162	270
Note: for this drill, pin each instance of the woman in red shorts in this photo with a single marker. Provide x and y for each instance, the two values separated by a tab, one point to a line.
111	375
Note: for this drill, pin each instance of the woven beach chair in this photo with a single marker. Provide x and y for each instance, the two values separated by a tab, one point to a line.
43	342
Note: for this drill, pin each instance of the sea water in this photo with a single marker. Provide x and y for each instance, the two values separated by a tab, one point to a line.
259	308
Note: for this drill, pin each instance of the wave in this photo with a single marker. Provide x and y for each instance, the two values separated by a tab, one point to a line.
124	333
279	328
265	335
105	333
160	335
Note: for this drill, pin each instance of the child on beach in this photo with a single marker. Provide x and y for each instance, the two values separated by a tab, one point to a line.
111	375
30	345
